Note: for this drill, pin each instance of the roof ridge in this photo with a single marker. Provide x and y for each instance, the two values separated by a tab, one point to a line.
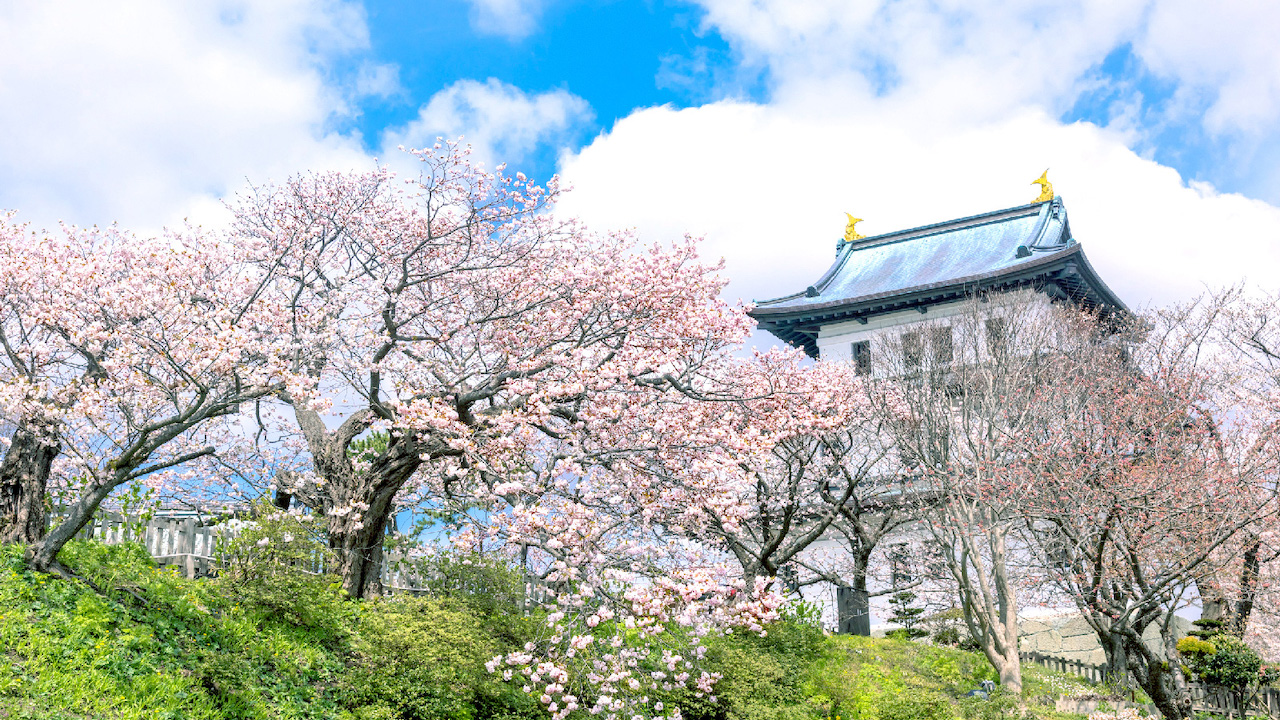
955	223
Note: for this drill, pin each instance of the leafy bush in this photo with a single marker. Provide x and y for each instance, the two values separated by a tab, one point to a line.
174	648
1228	663
763	678
1194	646
948	636
422	659
268	564
488	585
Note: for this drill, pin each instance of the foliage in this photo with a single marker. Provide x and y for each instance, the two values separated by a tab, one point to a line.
182	649
166	648
907	617
488	584
1193	646
1226	662
267	565
1206	629
421	659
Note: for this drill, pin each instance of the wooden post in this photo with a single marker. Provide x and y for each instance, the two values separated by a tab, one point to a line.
189	547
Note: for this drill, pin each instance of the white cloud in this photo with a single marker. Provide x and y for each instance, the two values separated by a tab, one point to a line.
988	58
144	112
768	186
1226	50
915	111
501	122
956	58
513	19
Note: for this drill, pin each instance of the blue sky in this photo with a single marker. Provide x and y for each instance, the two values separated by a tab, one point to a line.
752	123
617	56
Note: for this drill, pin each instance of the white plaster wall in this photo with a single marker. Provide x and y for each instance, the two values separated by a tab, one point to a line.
835	341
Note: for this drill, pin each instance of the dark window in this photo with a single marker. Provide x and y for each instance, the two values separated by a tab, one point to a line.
912	350
862	357
996	336
942	346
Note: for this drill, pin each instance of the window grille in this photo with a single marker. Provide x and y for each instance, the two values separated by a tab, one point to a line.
862	357
942	345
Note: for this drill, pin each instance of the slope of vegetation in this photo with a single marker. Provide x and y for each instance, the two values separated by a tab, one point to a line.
150	644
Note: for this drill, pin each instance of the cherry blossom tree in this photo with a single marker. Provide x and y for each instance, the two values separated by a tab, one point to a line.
120	355
1144	473
480	331
798	459
1245	593
956	421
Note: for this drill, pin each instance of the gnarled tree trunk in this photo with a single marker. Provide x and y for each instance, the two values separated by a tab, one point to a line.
1128	655
24	476
357	501
43	554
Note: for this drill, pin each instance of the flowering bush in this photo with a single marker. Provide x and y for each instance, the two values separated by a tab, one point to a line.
276	564
628	658
1125	714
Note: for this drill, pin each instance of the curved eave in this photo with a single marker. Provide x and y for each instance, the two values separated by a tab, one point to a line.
1065	274
847	249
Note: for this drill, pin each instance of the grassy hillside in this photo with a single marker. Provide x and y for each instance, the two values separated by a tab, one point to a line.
156	645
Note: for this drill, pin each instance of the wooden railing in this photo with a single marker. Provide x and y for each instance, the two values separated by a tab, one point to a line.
1204	698
170	541
1219	701
196	551
1092	673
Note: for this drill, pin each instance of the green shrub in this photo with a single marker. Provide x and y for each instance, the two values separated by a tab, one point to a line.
916	707
764	678
948	636
422	659
1192	646
488	585
1230	663
267	566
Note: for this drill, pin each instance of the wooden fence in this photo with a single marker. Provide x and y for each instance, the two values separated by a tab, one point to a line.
1204	698
171	541
197	551
1092	673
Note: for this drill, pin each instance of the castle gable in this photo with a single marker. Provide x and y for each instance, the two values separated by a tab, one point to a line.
1024	247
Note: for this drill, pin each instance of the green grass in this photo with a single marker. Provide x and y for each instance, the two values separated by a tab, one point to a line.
781	677
160	646
188	652
157	645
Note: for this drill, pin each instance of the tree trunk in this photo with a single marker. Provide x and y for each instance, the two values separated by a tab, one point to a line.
357	536
1162	680
1167	689
1239	621
358	505
43	555
359	555
1117	659
24	476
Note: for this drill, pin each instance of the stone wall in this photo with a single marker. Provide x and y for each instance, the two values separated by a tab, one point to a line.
1070	637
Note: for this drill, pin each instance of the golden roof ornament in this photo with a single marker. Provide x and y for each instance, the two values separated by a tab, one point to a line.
850	230
1046	187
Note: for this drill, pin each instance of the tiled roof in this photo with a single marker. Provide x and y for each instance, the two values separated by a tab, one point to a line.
1027	245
